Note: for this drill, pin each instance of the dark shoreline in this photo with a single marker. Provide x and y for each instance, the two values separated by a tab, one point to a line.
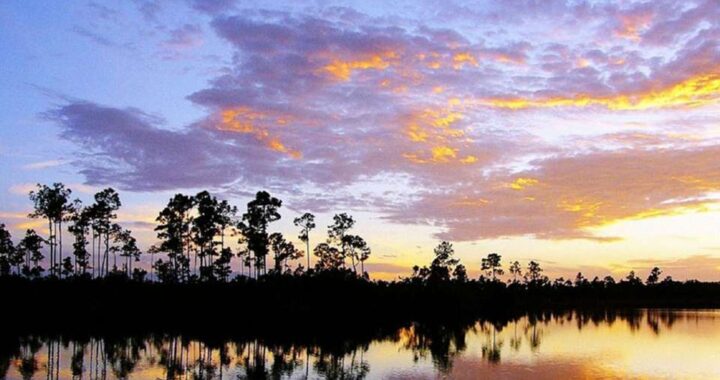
303	305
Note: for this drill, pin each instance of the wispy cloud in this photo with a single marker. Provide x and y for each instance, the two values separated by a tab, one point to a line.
44	164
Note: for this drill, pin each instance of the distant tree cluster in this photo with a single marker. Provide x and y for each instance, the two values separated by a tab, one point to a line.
445	267
193	233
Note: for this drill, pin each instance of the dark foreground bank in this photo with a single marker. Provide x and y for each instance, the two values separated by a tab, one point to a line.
331	300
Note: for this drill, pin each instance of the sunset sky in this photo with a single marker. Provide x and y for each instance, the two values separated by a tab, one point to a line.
583	134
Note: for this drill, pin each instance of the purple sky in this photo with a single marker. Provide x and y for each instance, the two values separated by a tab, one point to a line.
582	134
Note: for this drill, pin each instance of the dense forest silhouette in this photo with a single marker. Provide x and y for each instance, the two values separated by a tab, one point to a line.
193	233
201	238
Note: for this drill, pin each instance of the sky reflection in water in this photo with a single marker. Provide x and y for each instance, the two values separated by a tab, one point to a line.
635	344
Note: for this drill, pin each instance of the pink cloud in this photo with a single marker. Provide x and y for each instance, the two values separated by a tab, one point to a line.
563	196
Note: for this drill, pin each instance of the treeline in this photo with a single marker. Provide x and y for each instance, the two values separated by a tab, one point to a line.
200	236
446	267
193	233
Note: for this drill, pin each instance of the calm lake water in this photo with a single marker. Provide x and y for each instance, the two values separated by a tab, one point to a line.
643	344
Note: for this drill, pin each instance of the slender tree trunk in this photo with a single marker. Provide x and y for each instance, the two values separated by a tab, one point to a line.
107	252
307	251
57	359
76	268
52	242
99	254
60	245
50	360
92	255
152	266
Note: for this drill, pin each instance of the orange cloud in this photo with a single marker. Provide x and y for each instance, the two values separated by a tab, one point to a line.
434	65
342	70
277	146
506	58
583	62
469	159
432	122
435	129
443	153
248	121
696	91
461	59
522	183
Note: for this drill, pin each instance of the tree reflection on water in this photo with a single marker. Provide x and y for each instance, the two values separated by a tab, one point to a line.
182	357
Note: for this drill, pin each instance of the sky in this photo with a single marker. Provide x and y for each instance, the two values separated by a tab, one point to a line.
583	135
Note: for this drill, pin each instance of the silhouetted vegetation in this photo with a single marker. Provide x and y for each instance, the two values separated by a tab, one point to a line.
201	238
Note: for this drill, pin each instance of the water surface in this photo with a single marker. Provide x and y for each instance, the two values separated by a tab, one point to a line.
648	344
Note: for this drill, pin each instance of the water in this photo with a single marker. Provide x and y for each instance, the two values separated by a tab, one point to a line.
647	344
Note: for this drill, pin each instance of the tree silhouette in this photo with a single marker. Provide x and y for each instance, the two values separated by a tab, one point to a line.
633	279
67	268
17	257
533	273
443	263
282	251
174	232
342	223
79	228
107	202
31	247
52	203
515	271
7	251
226	215
205	227
580	280
261	211
654	276
306	222
491	265
329	257
460	273
128	250
358	251
221	266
